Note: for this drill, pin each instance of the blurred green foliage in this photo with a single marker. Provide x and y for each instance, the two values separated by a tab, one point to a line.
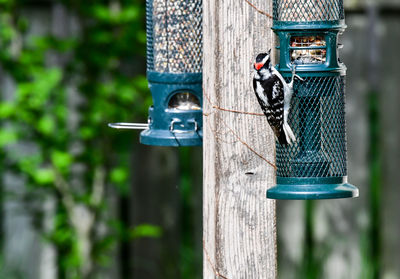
54	133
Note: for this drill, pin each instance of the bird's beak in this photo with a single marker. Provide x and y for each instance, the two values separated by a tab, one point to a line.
258	66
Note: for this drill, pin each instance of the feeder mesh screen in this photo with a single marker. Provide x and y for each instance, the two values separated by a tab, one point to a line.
318	121
308	10
174	36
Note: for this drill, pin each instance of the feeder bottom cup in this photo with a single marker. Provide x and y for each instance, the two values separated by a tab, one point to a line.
315	188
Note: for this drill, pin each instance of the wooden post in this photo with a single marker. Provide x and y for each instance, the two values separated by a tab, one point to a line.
239	222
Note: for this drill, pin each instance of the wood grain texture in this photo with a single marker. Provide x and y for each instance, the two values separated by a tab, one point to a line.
239	222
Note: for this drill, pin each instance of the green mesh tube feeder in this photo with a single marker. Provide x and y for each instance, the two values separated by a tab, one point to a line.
174	74
174	65
315	166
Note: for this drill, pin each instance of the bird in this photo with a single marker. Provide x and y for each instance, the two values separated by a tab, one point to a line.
274	95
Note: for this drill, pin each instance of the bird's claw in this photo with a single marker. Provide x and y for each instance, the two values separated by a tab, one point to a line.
300	78
294	73
294	69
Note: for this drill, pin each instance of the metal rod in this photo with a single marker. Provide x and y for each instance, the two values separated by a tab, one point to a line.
131	126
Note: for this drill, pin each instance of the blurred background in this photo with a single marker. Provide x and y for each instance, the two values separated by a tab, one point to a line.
80	200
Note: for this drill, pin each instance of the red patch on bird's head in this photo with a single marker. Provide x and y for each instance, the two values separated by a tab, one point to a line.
258	66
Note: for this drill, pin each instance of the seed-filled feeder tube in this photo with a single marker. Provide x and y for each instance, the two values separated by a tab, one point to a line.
174	65
315	166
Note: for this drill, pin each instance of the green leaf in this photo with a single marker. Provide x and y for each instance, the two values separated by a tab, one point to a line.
142	83
44	176
126	93
30	163
7	137
142	36
6	110
125	15
145	230
119	175
47	80
7	33
46	125
87	132
61	160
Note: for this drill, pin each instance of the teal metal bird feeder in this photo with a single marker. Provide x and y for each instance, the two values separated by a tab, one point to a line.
174	73
315	166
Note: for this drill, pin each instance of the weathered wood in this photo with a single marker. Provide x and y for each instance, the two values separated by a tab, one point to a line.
239	222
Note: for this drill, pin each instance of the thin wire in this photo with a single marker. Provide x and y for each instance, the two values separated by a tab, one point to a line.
249	147
212	266
197	132
258	10
235	134
176	139
238	111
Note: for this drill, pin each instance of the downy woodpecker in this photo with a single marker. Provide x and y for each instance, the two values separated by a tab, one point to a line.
274	96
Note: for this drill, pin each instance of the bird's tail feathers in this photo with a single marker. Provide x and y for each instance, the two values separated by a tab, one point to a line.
286	136
282	138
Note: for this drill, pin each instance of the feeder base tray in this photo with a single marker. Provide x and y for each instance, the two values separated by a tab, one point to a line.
312	188
168	138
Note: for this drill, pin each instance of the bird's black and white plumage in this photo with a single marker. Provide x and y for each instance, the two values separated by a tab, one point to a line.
274	96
